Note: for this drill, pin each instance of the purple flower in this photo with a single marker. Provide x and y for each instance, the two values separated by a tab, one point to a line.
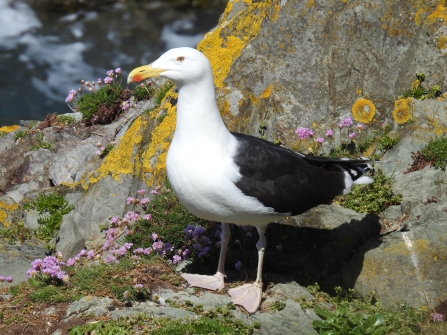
304	132
118	70
168	247
319	140
138	287
346	122
138	251
144	201
437	317
351	135
83	252
329	133
186	253
2	278
69	98
141	192
90	254
8	279
147	251
108	80
154	236
176	259
238	265
157	245
71	262
360	126
125	105
130	200
114	219
110	259
110	73
128	245
147	217
155	191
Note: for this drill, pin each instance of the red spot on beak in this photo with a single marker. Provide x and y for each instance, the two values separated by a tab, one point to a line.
137	78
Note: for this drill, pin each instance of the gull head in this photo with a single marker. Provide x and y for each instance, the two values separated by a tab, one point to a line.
181	65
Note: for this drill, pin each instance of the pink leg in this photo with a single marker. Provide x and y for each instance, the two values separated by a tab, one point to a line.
249	295
215	282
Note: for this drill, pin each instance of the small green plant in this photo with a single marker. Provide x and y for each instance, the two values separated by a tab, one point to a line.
65	119
3	133
16	233
52	208
104	151
100	105
436	152
373	198
41	144
162	91
144	91
419	92
20	134
278	306
261	130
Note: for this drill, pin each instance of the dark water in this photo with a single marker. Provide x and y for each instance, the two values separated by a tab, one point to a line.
43	55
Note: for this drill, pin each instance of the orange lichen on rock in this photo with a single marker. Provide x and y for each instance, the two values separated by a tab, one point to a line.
403	110
363	110
267	92
8	129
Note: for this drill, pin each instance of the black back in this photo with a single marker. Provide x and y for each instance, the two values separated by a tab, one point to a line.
289	182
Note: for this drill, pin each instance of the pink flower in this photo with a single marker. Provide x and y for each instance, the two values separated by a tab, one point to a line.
71	262
319	140
130	200
346	122
114	219
2	278
118	70
329	133
155	191
110	73
138	287
90	254
141	192
144	201
99	81
108	80
304	132
351	135
154	236
176	259
437	317
360	126
125	105
147	217
69	98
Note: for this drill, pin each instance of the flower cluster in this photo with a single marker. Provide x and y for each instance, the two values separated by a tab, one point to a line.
49	269
7	279
102	151
304	133
112	77
197	241
437	317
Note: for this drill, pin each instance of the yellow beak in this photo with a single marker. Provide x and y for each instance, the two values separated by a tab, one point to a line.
143	72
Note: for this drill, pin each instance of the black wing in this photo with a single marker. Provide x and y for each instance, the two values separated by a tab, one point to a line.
290	182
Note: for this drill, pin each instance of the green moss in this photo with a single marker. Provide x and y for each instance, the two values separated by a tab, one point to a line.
143	93
436	152
107	95
20	134
65	119
161	92
52	208
373	198
15	233
41	144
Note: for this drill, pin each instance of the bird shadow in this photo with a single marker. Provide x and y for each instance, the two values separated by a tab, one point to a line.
301	254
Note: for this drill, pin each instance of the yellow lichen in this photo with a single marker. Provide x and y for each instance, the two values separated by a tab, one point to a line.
4	214
3	217
267	92
363	110
240	29
8	129
442	42
402	110
160	142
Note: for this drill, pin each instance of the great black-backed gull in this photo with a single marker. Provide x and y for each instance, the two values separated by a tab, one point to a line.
235	178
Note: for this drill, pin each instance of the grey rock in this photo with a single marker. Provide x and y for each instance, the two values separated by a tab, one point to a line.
15	259
89	305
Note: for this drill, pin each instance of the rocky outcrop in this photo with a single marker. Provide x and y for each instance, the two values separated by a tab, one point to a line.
281	64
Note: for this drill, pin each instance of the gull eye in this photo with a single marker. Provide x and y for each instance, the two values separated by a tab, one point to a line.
180	59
